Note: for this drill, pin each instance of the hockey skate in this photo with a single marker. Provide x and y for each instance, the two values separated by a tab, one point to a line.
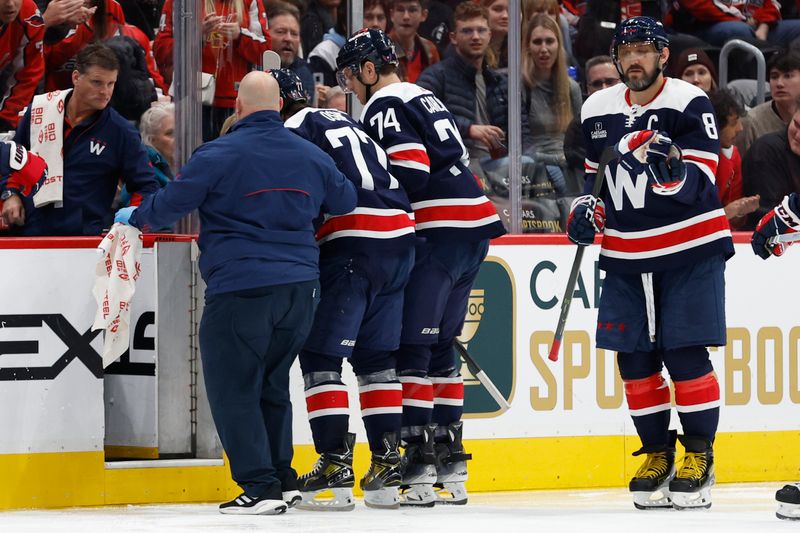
691	486
650	484
382	481
333	474
418	467
788	502
451	468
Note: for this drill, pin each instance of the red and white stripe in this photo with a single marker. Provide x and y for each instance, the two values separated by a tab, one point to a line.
448	391
327	400
706	161
454	213
410	155
367	223
665	240
417	392
647	395
699	394
590	166
381	399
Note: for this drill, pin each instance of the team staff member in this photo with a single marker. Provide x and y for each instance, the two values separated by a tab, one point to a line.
93	145
260	264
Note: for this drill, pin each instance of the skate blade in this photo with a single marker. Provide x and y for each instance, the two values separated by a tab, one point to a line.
658	499
450	493
332	500
417	496
385	498
788	511
683	501
292	497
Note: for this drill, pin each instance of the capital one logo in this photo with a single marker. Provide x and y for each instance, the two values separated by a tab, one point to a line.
488	336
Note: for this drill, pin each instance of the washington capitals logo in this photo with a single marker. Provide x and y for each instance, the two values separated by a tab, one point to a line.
35	20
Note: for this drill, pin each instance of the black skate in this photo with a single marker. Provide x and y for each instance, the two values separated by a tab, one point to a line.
691	487
382	481
451	467
267	504
650	484
418	467
333	473
788	502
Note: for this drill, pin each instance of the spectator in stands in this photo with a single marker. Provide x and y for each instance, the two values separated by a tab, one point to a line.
375	14
600	73
497	53
550	98
475	94
694	66
61	16
322	58
335	99
783	69
729	169
320	17
771	168
717	22
552	9
414	52
235	37
157	128
21	35
88	148
284	29
105	22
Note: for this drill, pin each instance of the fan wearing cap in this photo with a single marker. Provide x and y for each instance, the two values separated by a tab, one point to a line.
694	66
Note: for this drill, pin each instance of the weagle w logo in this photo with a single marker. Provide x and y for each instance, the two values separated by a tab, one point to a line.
96	148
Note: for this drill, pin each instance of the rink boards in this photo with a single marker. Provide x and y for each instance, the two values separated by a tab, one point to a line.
567	425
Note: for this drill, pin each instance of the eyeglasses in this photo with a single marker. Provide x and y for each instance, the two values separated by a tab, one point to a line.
469	31
603	82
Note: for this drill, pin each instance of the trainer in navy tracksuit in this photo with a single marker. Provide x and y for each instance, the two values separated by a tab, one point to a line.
97	153
257	189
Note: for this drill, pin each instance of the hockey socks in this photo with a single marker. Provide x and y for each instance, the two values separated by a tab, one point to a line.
328	409
417	404
649	405
697	402
381	397
448	402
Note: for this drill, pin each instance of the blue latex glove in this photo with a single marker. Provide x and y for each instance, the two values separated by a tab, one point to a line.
123	216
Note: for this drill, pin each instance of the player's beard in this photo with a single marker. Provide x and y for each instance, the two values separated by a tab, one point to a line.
644	82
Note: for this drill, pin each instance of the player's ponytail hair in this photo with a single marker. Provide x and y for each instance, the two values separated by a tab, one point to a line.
562	105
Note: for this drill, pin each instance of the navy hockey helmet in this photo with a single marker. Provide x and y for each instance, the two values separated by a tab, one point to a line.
639	30
367	44
290	85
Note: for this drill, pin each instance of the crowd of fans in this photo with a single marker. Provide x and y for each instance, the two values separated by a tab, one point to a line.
456	49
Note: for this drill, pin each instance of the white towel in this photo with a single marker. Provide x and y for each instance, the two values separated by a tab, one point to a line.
47	140
117	270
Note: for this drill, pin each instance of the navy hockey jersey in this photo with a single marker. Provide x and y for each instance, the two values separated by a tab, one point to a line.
383	216
647	232
428	156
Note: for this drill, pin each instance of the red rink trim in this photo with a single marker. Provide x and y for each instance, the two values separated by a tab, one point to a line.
643	393
455	212
364	223
54	243
381	398
697	391
327	400
414	391
659	242
454	391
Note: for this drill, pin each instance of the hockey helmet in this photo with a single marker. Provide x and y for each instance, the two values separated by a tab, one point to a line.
639	30
290	85
367	44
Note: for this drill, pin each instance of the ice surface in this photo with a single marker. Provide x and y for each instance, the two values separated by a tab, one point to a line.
737	508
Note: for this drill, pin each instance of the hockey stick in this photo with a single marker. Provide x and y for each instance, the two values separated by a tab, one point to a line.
607	155
271	60
478	372
784	238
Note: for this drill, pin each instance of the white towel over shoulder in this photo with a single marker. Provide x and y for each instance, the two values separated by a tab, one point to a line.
117	270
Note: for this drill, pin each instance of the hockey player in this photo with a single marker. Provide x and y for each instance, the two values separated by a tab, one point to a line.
366	258
664	248
456	220
784	219
21	174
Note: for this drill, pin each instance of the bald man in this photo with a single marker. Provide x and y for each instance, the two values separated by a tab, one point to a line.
257	189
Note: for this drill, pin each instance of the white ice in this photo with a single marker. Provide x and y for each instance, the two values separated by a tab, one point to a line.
737	508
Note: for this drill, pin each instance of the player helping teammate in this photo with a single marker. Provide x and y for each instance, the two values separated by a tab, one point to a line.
365	261
456	220
666	240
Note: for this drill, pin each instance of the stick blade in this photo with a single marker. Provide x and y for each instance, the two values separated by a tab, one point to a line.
271	60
